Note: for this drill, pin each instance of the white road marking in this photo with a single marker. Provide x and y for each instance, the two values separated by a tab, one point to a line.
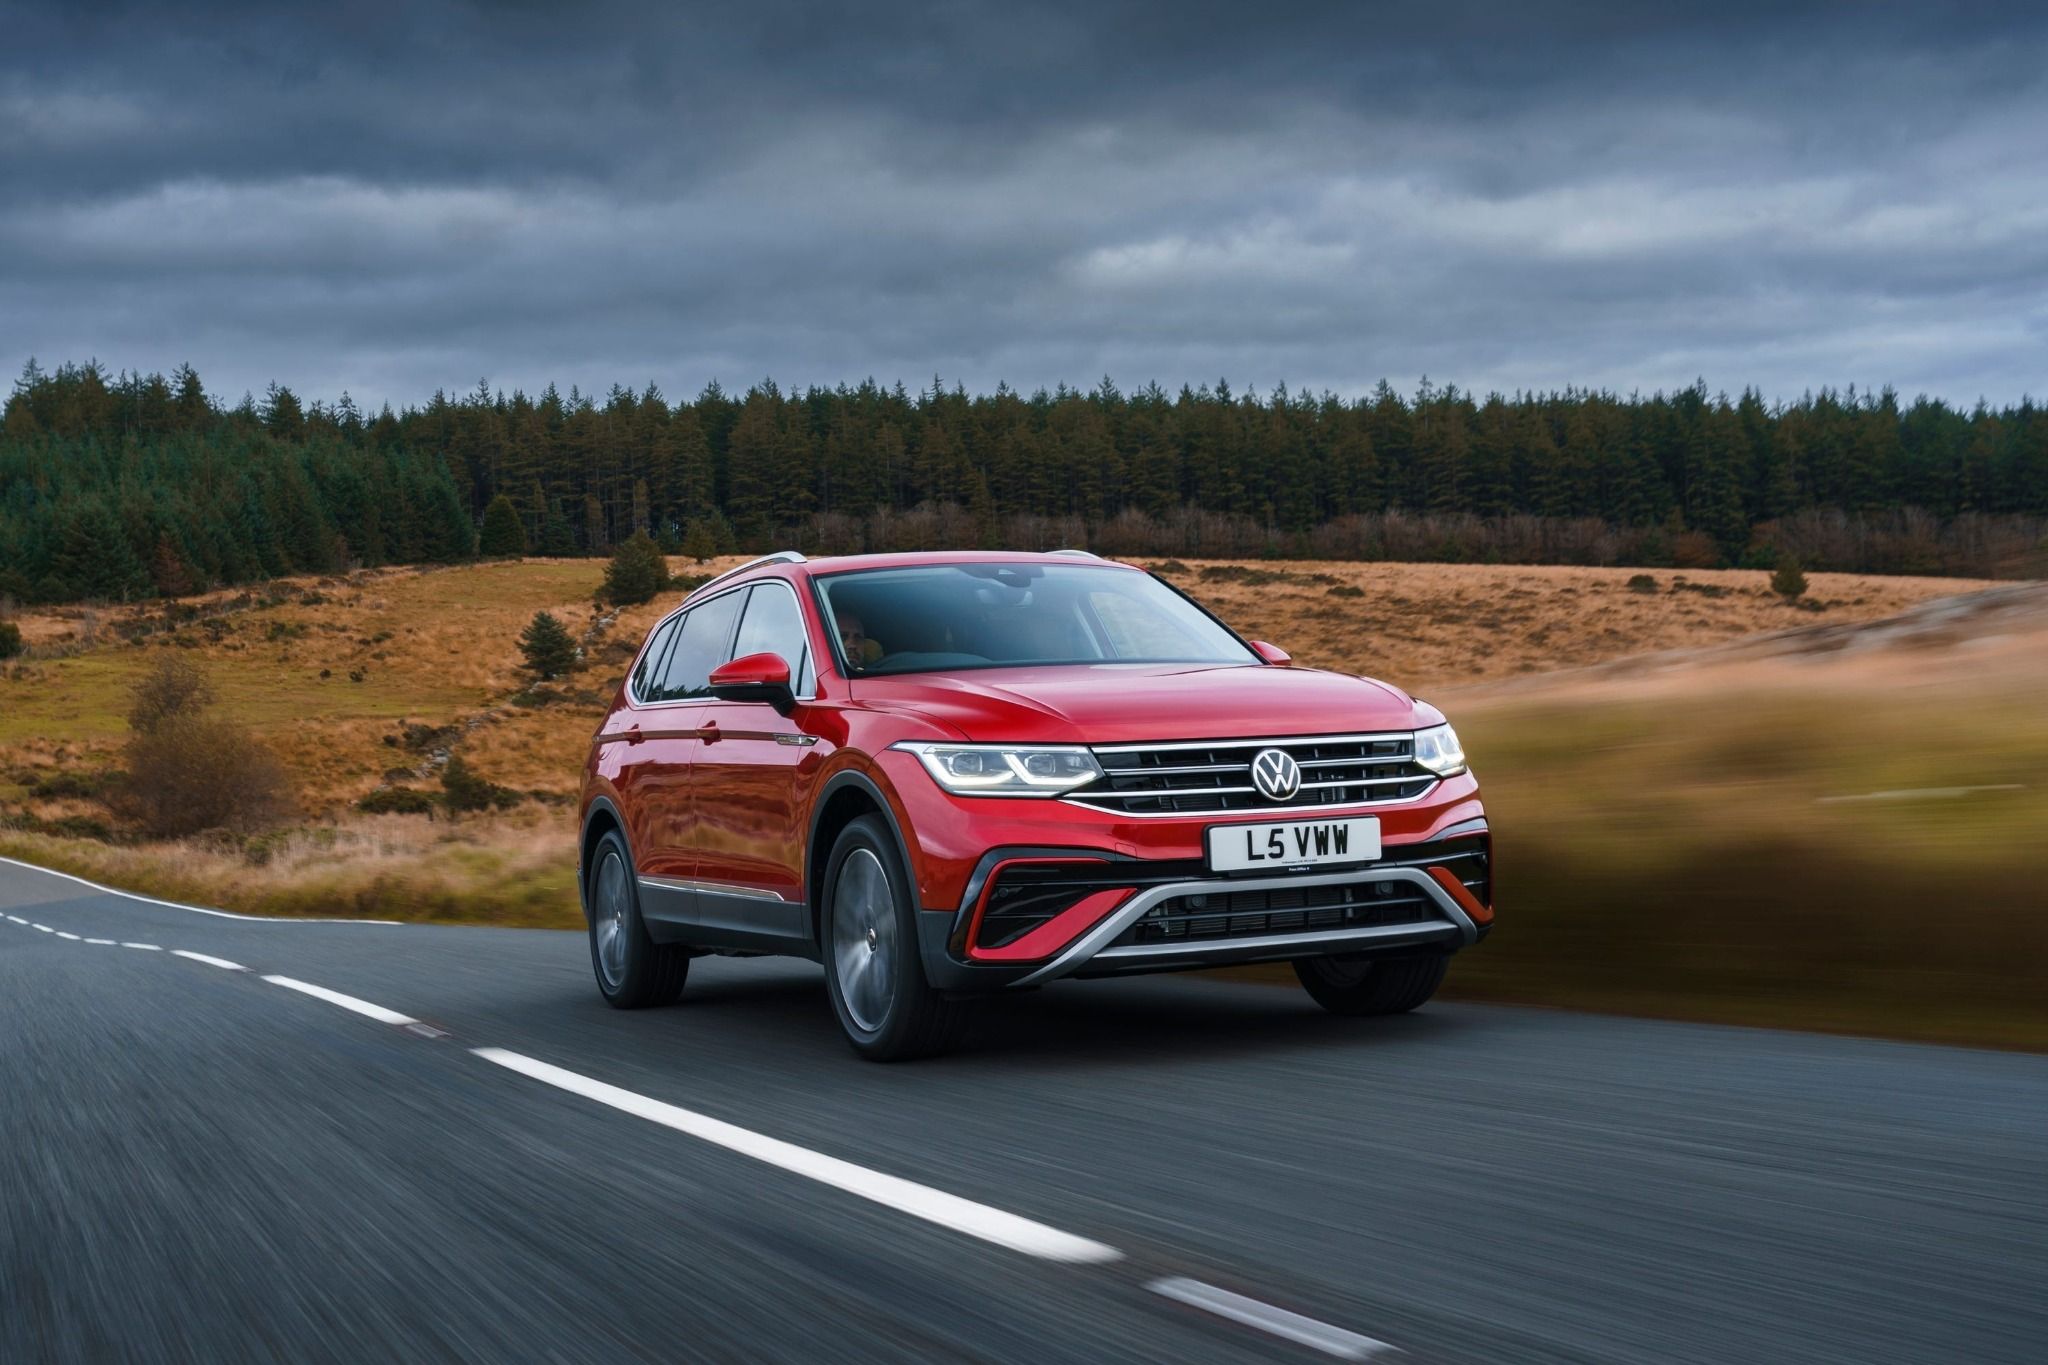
347	1002
72	937
102	942
905	1196
1920	793
220	962
19	920
45	928
194	909
145	947
1265	1317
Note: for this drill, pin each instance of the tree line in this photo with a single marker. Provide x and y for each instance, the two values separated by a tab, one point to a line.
124	485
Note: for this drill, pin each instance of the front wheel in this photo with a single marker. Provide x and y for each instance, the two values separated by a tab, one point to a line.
1371	985
872	969
633	970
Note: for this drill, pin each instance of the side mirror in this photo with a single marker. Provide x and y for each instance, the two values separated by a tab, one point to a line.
1272	654
754	677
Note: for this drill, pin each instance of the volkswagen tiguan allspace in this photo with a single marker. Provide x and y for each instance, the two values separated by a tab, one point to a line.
952	773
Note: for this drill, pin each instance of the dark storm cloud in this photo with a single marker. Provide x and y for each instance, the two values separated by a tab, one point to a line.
397	198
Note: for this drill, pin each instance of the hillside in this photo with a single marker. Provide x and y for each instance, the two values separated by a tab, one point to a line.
1709	804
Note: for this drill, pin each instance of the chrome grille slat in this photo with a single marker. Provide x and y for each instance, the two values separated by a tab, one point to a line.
1194	777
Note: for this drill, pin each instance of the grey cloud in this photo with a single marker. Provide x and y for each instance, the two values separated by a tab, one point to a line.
397	198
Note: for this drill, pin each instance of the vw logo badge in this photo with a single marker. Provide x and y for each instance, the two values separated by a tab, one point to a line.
1276	774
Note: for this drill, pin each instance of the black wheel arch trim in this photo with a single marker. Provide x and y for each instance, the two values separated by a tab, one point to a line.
814	856
600	805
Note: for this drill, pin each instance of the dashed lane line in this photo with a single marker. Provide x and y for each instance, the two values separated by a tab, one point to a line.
347	1002
210	961
905	1196
1278	1322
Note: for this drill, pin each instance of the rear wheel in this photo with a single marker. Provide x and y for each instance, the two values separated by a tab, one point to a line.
872	968
633	971
1371	985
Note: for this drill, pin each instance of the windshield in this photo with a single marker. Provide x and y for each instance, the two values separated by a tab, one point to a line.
950	616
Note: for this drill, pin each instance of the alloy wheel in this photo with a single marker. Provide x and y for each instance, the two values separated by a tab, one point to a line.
608	919
864	939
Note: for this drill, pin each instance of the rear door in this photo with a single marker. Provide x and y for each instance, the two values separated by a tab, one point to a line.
749	781
671	713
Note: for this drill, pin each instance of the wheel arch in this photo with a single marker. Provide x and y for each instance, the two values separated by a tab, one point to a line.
845	797
601	818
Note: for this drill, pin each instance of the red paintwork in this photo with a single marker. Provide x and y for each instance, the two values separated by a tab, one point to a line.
752	668
709	793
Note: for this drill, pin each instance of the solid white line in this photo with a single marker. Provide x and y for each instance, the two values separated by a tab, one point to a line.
195	909
102	942
72	937
220	962
905	1196
145	947
347	1002
1265	1317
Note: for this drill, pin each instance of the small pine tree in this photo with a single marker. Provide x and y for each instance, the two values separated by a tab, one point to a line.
1789	582
700	542
549	650
637	572
503	533
10	639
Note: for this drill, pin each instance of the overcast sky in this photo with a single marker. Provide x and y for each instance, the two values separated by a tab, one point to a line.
393	198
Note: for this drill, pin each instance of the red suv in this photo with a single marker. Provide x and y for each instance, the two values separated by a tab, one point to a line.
942	774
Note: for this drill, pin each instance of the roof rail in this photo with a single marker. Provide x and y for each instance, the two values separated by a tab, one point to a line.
1076	554
779	557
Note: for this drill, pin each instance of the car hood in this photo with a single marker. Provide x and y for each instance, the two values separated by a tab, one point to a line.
1135	703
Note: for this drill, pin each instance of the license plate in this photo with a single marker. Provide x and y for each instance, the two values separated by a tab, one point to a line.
1293	843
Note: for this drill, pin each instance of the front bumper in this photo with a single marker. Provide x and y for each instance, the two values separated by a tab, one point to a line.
1146	915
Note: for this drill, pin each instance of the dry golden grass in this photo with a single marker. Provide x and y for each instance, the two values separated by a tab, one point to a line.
1450	625
1664	768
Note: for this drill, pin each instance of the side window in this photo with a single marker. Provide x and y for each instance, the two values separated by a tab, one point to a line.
650	663
700	647
774	624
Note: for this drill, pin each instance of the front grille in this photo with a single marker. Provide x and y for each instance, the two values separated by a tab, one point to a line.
1174	779
1294	910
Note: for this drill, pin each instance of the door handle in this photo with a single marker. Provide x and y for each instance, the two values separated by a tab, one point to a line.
633	733
709	732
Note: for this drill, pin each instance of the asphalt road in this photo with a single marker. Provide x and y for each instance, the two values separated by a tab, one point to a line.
198	1163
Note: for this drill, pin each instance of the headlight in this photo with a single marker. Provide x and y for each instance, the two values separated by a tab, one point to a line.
1006	769
1438	750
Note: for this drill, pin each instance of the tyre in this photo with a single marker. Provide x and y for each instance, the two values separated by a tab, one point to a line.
1371	985
633	971
872	968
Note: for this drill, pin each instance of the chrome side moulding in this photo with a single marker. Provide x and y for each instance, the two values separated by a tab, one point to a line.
1096	942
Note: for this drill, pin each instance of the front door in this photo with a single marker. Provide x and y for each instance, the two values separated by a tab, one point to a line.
751	767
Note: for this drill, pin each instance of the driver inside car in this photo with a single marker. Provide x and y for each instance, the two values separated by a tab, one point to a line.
853	636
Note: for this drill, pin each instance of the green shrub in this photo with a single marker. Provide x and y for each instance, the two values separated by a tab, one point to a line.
1789	581
398	801
467	789
548	648
10	640
1642	582
637	572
